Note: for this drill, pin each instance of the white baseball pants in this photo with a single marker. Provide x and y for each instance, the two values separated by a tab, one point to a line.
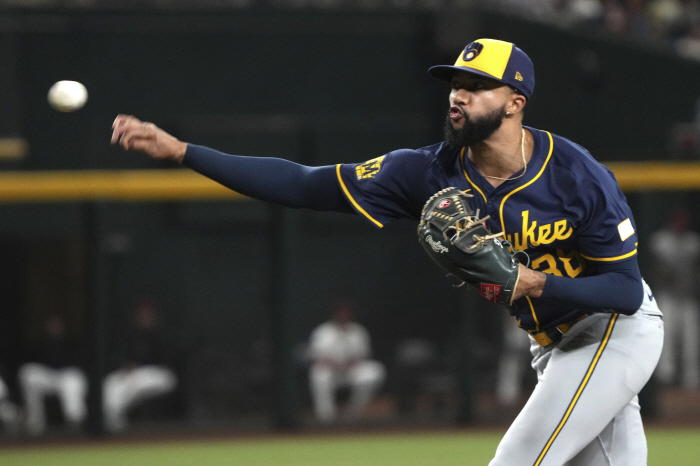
584	409
363	379
69	384
681	338
125	388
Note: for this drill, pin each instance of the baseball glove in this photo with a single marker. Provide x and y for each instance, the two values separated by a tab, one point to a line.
458	241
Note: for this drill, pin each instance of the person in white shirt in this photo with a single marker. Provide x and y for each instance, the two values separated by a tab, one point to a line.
340	357
54	367
676	251
144	368
9	413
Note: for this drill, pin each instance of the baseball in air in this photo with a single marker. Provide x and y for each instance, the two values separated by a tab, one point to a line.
67	96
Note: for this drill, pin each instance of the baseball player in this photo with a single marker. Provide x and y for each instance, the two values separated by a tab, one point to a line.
54	368
676	252
595	328
142	373
340	353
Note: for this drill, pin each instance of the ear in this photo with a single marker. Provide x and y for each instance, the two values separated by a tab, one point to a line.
515	104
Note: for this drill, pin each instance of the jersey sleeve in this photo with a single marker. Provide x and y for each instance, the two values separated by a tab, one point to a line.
608	232
385	188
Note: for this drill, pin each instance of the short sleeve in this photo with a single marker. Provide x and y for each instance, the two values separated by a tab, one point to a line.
385	188
607	231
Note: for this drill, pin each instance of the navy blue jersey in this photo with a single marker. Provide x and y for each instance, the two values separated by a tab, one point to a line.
567	211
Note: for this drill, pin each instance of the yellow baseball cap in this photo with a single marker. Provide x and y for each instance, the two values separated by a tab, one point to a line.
494	59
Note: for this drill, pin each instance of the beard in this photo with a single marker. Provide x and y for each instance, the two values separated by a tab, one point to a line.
473	131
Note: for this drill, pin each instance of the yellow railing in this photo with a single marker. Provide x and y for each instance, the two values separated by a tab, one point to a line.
122	185
180	184
657	176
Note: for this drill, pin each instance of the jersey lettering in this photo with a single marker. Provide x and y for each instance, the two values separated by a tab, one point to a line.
545	234
552	225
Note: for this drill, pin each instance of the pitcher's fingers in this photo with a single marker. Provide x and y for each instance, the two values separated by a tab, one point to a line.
116	134
121	119
127	124
122	124
124	143
127	136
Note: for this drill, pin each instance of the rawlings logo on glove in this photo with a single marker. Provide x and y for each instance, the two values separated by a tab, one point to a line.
436	245
458	241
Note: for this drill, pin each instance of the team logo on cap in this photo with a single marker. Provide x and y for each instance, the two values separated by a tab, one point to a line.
518	76
472	51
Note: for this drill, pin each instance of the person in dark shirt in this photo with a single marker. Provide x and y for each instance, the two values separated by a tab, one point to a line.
143	372
54	368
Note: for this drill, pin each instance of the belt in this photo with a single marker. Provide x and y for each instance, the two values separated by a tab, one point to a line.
553	335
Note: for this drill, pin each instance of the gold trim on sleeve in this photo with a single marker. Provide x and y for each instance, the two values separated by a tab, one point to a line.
610	259
350	198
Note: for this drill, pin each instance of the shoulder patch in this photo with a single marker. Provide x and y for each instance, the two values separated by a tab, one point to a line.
626	229
369	169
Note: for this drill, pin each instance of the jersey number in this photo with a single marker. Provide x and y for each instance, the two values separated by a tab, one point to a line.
562	262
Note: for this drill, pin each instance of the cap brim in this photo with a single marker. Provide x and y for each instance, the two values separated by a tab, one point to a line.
446	72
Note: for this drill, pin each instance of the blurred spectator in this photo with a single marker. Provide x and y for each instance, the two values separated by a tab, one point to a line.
667	24
422	376
662	24
676	251
685	136
689	45
583	12
665	15
637	19
54	368
9	414
615	16
143	372
414	358
512	364
340	350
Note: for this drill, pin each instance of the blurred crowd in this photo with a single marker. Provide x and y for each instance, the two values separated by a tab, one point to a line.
661	24
54	368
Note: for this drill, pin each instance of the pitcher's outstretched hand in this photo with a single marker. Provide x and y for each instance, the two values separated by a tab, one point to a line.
134	134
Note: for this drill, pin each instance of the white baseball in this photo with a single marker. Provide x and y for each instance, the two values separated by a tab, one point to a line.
67	96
